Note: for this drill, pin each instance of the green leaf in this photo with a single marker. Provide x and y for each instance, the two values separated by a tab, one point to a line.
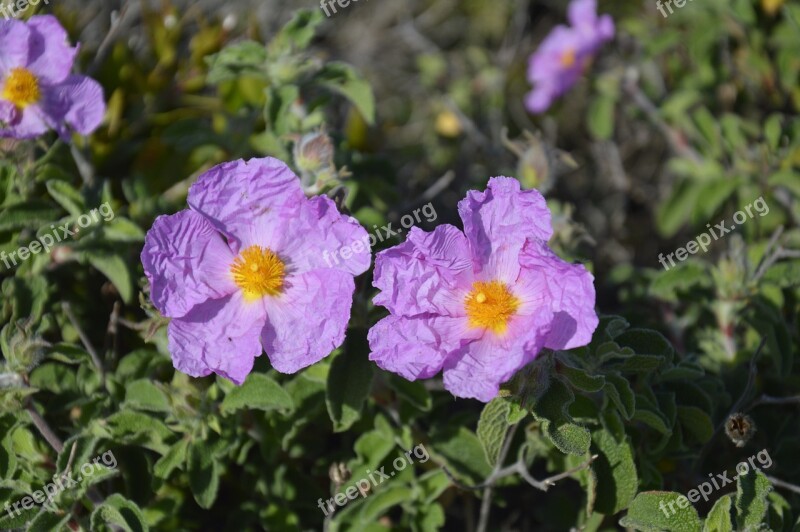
492	428
412	391
650	512
349	383
117	511
379	503
649	414
551	410
116	269
173	459
784	274
600	117
258	392
646	342
143	394
138	428
752	490
619	391
31	215
203	474
697	422
463	453
719	518
615	471
342	78
298	32
67	196
580	378
10	522
47	521
122	230
246	58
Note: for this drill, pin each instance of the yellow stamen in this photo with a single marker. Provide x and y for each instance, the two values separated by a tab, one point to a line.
490	305
258	272
568	58
21	88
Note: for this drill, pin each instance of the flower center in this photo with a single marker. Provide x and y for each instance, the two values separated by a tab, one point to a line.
21	88
258	272
490	305
568	58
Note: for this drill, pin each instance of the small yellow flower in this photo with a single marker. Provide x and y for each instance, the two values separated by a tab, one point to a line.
448	125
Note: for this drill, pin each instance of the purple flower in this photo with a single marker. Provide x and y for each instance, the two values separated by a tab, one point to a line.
244	270
37	91
480	304
565	53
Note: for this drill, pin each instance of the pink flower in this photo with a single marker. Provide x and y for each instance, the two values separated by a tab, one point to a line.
37	90
565	53
243	270
482	303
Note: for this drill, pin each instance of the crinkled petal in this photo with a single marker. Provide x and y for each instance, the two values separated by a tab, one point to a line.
416	348
321	237
428	273
479	368
498	221
77	102
219	336
186	262
14	37
233	194
572	296
308	321
50	56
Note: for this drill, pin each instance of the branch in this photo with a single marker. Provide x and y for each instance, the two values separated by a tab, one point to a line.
671	135
44	429
781	484
85	341
520	469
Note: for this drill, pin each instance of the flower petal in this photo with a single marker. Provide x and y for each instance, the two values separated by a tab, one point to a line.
416	348
29	123
14	37
497	223
479	368
308	321
428	273
186	262
76	102
321	237
231	195
220	336
50	57
572	295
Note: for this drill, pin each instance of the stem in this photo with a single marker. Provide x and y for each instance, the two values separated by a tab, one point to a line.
85	341
486	502
781	484
44	429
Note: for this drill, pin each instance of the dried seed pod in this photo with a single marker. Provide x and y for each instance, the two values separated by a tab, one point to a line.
740	428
